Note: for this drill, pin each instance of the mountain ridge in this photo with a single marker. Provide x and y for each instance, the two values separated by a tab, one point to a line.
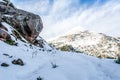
89	42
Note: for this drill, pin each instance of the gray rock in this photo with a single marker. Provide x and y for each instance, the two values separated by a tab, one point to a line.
29	25
4	65
18	62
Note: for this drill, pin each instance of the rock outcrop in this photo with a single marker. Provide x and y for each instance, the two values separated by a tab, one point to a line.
3	33
91	43
29	25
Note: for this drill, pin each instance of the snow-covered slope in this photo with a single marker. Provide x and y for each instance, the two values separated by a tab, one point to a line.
46	64
26	61
91	43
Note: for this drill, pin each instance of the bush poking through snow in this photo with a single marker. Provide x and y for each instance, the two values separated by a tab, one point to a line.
39	78
54	65
67	48
118	60
11	42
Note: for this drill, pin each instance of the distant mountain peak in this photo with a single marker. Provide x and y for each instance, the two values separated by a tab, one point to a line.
89	42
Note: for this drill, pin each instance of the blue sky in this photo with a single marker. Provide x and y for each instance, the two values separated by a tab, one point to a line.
80	1
60	16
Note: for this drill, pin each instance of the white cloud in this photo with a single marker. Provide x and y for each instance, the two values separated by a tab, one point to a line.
40	6
64	15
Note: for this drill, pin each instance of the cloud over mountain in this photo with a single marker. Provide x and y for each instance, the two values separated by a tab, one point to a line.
60	16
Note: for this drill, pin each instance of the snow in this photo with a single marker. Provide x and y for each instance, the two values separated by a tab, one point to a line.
89	42
89	37
70	66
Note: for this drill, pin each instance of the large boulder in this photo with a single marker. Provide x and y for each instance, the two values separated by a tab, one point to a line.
29	25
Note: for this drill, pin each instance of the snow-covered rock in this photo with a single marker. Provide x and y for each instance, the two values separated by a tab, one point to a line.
91	43
29	25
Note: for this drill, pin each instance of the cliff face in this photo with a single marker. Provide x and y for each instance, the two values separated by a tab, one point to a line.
26	24
91	43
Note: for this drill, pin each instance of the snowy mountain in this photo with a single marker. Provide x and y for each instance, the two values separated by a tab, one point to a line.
29	62
88	42
24	55
21	60
25	61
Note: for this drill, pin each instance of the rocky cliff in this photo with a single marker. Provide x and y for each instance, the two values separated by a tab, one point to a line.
24	24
